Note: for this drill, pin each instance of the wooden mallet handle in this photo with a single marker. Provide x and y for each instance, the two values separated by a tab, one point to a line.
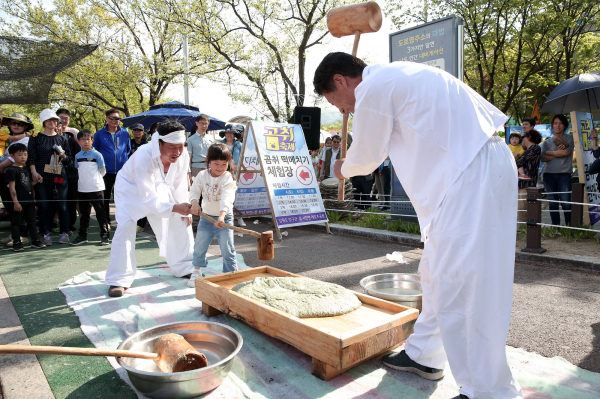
344	144
245	231
58	350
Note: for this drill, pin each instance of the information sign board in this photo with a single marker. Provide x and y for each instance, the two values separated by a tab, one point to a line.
251	197
288	173
436	43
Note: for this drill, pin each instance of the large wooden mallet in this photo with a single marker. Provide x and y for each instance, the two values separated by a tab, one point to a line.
352	20
172	353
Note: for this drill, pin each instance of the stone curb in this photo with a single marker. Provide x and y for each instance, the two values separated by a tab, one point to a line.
21	376
414	240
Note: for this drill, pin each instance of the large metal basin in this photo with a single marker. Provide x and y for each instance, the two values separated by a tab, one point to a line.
402	288
219	343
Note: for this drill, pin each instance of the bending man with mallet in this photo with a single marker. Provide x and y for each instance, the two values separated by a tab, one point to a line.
462	181
153	183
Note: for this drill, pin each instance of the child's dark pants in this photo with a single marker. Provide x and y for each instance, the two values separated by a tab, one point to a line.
86	201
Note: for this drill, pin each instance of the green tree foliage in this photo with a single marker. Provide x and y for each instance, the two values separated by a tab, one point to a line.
262	45
516	51
139	55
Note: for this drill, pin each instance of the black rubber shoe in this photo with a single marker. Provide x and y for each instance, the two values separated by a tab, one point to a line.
18	247
37	244
401	361
104	241
116	291
78	241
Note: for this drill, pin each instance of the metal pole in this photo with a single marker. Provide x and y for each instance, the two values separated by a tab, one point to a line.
186	72
461	35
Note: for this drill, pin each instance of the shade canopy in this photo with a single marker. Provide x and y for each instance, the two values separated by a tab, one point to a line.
174	110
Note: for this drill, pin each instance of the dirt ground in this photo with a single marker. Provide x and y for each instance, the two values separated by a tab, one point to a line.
559	247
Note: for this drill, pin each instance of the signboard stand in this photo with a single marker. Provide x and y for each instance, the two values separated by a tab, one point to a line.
305	205
581	128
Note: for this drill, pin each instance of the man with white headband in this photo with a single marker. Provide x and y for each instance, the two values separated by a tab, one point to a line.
153	184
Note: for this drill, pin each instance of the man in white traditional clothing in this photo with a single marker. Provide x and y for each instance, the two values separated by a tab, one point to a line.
462	181
153	183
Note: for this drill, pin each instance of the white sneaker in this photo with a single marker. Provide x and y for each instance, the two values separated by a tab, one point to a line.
195	274
6	240
241	222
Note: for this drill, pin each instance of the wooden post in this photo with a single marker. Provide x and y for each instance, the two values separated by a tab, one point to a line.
577	210
534	216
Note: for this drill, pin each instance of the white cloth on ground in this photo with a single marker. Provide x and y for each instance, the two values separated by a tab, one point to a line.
143	189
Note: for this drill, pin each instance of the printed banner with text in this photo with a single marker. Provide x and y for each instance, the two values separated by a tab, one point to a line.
289	173
584	123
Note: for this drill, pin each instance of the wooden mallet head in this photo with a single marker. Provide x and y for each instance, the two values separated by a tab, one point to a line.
175	354
348	20
265	246
352	20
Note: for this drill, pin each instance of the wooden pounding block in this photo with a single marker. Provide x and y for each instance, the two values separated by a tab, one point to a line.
176	355
335	343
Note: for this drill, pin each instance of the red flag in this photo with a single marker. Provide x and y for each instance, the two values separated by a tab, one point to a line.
536	113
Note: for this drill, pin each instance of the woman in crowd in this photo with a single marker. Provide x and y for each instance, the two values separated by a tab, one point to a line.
557	153
50	149
70	133
530	162
19	131
231	133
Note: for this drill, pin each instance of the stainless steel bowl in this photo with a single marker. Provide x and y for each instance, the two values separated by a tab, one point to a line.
219	343
402	288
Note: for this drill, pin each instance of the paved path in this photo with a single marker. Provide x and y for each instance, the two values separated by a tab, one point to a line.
555	311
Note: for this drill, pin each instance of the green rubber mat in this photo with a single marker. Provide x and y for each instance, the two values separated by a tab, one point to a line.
31	279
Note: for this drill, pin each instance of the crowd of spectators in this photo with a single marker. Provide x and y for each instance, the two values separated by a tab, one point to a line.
555	155
55	166
61	173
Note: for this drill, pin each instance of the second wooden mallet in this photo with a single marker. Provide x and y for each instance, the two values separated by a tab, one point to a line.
352	20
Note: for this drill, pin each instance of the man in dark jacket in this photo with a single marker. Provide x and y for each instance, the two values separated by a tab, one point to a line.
113	142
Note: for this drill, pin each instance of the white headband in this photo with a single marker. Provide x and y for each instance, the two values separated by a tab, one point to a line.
177	137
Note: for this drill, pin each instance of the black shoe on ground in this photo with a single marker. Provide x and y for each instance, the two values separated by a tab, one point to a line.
401	361
104	241
37	244
18	246
79	240
115	291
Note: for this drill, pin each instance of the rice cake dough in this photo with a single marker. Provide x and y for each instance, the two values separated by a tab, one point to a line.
300	296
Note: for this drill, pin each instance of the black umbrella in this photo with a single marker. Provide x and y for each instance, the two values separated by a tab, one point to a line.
581	93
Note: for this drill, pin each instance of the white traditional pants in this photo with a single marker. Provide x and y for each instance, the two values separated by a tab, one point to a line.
178	252
467	271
